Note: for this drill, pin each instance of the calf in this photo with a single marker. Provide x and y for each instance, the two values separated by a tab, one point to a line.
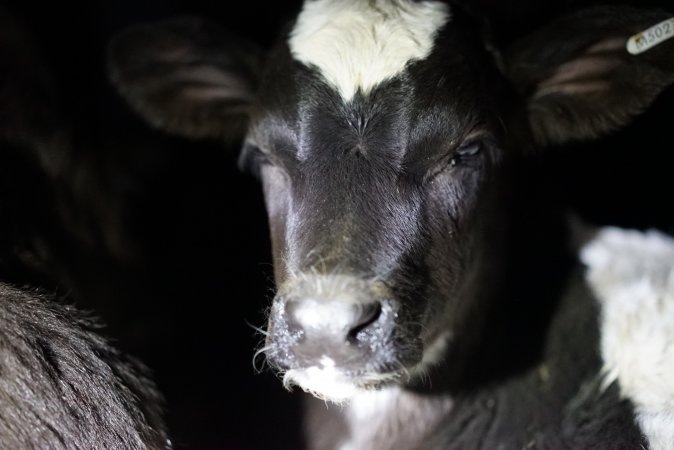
62	385
384	133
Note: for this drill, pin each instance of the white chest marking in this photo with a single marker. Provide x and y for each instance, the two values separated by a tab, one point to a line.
357	44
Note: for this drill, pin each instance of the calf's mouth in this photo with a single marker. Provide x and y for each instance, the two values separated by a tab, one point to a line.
336	336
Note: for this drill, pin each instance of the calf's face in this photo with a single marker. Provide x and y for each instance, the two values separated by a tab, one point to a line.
376	128
372	194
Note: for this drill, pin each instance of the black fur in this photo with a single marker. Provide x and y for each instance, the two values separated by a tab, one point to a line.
62	385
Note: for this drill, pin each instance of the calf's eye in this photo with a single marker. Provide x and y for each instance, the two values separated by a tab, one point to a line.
466	152
469	150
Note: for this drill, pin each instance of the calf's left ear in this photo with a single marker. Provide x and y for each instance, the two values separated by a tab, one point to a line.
186	76
589	73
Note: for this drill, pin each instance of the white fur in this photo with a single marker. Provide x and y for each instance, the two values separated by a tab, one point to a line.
632	274
368	405
388	411
366	414
357	44
326	383
331	384
326	361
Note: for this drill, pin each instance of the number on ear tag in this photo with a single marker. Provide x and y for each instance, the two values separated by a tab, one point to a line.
651	37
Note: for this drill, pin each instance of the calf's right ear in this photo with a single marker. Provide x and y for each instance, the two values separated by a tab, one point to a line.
186	76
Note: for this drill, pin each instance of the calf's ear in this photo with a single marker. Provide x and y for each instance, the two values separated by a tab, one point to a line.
583	75
186	76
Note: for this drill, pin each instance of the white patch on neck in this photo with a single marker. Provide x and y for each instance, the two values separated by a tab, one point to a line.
357	44
392	418
632	275
368	405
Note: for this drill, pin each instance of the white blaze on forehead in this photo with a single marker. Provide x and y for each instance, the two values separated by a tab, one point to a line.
357	44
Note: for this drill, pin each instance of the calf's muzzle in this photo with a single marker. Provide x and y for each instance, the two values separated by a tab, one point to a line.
337	320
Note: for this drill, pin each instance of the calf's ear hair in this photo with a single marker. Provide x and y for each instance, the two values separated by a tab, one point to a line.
577	77
186	76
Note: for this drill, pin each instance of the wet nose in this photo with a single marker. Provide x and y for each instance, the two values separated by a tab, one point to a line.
339	321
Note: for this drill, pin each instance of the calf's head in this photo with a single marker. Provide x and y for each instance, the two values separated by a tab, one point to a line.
376	129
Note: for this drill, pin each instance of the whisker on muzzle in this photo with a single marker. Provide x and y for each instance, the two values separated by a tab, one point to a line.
261	352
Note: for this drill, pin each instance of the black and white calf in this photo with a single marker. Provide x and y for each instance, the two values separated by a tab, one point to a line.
384	133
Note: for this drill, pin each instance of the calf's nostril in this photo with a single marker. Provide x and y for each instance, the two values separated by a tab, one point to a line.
367	314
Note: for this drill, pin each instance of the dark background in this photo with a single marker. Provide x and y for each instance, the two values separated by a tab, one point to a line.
173	251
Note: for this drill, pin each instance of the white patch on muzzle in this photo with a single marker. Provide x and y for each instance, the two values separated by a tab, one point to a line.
357	44
331	384
326	383
327	306
632	274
